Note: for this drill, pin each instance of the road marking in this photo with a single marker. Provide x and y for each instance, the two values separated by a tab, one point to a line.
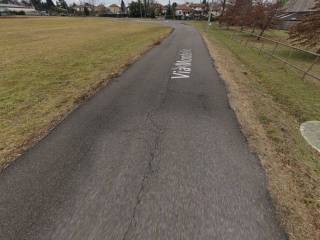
183	66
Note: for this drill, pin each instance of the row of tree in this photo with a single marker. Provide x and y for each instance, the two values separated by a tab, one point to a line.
49	6
247	13
262	14
85	8
142	9
150	8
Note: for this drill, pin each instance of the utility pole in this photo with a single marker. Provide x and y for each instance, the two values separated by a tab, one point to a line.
140	9
209	17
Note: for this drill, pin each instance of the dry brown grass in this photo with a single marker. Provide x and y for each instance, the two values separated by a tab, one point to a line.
274	135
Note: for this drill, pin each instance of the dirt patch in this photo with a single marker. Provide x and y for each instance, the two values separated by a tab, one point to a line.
269	130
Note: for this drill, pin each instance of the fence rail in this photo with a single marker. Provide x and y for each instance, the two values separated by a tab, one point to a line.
260	43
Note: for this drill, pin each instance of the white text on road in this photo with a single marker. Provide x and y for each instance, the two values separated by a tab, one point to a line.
182	67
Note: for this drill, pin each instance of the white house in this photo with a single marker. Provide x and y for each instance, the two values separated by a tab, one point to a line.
6	9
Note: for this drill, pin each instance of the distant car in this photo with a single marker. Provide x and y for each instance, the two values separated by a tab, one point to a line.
44	13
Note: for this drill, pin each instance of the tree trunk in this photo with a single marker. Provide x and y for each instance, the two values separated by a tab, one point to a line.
267	24
253	28
222	12
261	33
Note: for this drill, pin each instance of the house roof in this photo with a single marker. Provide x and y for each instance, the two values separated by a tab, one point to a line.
100	6
199	5
183	7
299	5
114	6
158	5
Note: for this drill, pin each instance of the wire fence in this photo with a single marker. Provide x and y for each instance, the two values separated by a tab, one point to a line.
305	62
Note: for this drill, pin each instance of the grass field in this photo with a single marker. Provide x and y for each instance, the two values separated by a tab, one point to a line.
48	64
295	57
271	101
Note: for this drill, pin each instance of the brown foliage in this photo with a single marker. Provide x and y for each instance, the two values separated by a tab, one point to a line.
307	32
237	13
260	14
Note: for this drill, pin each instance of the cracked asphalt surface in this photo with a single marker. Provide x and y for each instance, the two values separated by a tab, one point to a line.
149	157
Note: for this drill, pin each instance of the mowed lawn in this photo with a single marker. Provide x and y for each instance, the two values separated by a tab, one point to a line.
300	98
48	64
272	100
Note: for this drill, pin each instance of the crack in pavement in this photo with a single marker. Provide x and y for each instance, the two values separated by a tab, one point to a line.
155	151
151	170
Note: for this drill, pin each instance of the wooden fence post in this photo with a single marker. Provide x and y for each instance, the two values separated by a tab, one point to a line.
274	49
310	67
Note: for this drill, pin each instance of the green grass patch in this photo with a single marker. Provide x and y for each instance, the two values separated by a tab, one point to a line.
301	98
46	64
298	98
276	101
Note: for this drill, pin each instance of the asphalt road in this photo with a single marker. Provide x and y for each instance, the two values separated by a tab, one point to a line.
156	155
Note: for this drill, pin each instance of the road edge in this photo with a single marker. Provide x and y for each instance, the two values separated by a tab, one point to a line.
79	101
287	223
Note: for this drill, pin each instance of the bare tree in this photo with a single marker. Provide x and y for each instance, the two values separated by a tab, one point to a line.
224	2
270	12
237	13
307	32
